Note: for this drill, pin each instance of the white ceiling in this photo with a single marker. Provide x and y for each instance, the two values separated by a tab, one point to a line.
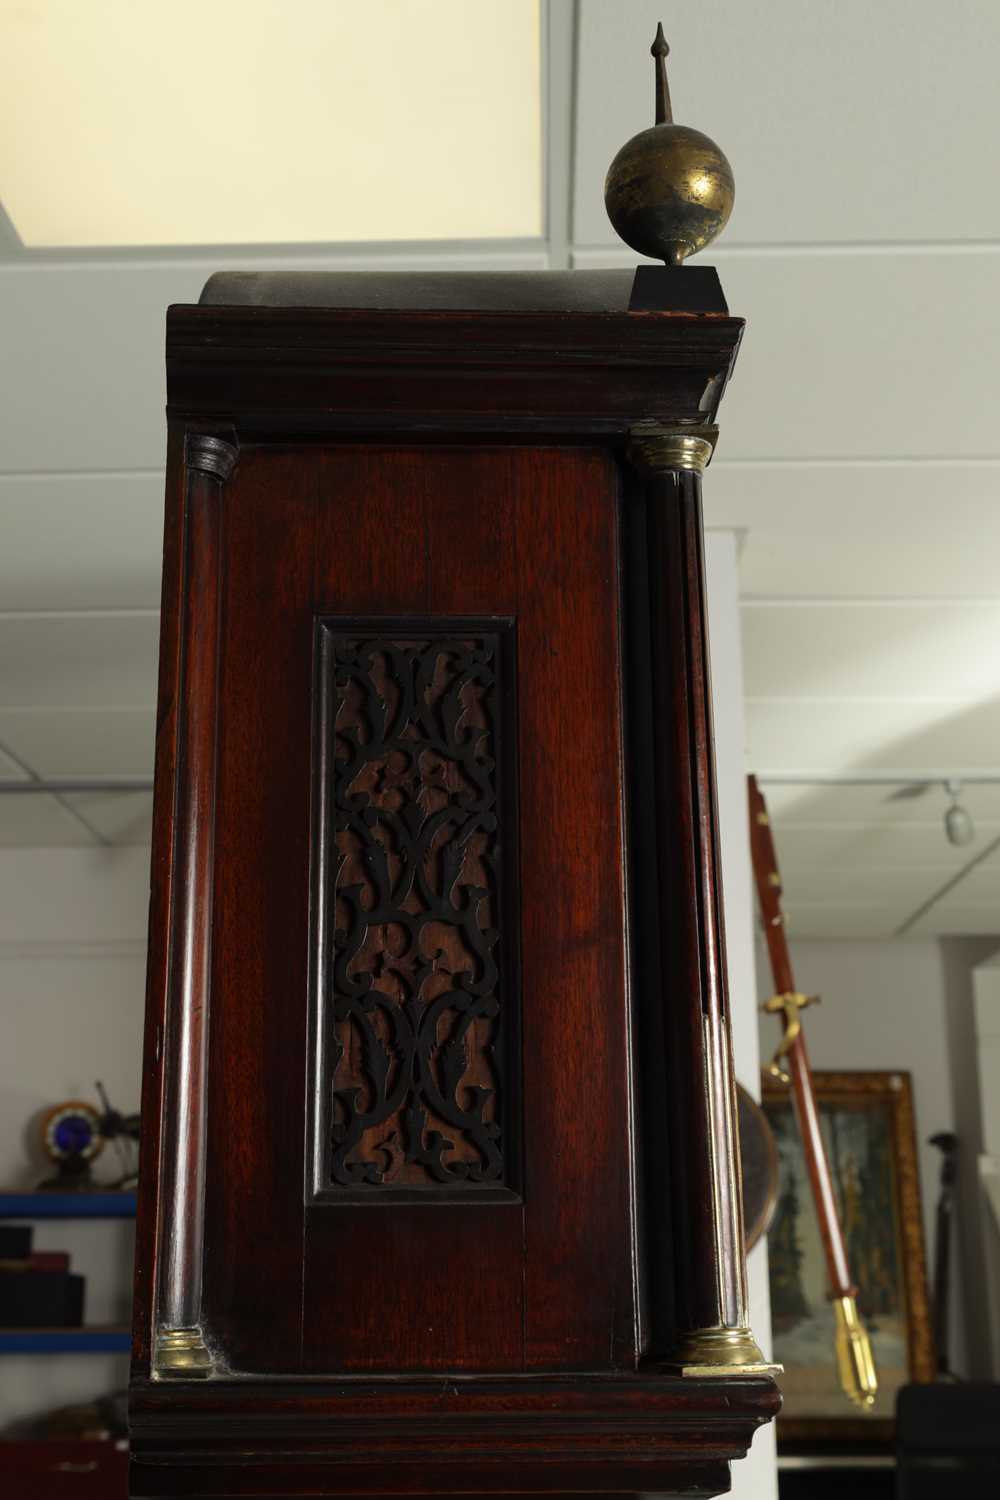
859	461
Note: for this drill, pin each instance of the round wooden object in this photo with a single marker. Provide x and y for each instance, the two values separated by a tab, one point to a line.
759	1156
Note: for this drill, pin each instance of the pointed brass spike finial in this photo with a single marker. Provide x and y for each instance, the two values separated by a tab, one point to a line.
670	190
660	50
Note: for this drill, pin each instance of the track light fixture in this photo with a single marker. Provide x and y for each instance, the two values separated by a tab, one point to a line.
958	826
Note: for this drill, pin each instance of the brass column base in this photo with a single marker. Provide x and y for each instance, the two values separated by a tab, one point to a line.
181	1354
720	1353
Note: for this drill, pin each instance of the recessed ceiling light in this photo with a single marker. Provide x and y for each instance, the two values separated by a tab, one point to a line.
258	122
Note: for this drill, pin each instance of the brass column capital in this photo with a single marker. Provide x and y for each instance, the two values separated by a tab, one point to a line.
210	455
655	447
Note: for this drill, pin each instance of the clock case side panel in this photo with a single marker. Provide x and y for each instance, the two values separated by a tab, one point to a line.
561	379
647	1431
660	1231
171	1198
269	500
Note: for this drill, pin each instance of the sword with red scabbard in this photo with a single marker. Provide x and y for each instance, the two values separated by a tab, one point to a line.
855	1365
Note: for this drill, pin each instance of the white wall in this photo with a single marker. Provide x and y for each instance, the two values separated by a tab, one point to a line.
961	958
756	1477
72	977
986	1000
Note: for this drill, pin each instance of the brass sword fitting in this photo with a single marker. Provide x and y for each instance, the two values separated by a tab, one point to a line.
790	1004
855	1365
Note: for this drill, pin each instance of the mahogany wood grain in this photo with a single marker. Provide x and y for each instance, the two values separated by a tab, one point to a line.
542	1284
254	1219
394	1262
285	373
710	1267
582	1435
207	465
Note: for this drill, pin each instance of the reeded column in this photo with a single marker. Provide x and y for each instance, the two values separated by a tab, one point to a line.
179	1348
712	1320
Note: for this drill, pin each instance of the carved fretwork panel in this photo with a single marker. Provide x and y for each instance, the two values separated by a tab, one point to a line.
416	998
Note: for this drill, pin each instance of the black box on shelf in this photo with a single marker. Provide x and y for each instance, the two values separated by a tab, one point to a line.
41	1299
15	1241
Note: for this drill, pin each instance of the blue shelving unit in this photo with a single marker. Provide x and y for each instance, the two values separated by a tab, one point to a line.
66	1206
65	1340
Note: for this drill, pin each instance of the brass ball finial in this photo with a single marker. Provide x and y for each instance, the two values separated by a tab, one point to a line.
670	190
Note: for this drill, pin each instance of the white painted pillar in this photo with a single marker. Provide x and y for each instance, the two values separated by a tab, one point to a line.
986	998
756	1477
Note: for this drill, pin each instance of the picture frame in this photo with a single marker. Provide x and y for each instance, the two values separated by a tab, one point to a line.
868	1129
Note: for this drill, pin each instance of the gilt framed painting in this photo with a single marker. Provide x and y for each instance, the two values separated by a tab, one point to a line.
868	1131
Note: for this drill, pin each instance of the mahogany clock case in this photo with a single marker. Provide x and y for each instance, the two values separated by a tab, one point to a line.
424	1148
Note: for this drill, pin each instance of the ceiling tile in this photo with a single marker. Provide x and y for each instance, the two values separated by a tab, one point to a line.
81	541
856	881
119	817
958	921
850	921
66	743
849	530
981	887
804	846
843	123
804	735
876	804
10	770
87	343
865	332
86	340
839	352
859	650
78	660
35	820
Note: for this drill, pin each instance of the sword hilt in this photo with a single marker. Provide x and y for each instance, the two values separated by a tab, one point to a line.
855	1364
789	1005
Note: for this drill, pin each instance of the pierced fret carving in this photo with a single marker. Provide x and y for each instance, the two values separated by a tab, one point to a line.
419	983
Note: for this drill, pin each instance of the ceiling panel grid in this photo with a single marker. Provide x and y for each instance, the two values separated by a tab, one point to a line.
863	249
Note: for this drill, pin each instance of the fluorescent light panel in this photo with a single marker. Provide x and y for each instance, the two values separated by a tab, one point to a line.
172	122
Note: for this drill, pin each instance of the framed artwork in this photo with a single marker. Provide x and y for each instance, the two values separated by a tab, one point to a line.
868	1131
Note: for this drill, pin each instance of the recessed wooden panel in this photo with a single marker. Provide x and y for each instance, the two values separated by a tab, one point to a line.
414	918
514	543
